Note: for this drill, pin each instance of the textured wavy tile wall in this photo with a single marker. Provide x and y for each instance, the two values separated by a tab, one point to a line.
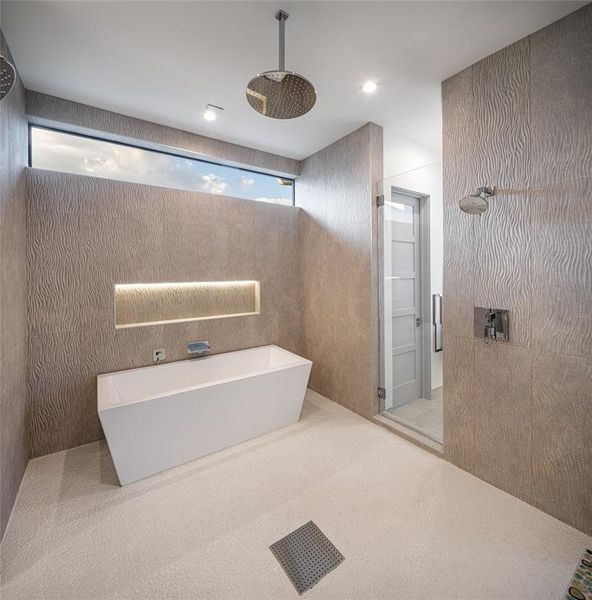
87	234
13	295
336	191
50	110
519	415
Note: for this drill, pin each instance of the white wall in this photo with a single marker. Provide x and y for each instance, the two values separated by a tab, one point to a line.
414	167
402	155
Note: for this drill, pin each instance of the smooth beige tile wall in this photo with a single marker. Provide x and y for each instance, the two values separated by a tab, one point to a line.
336	192
13	296
86	234
519	415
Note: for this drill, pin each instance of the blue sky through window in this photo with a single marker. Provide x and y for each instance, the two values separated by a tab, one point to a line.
70	153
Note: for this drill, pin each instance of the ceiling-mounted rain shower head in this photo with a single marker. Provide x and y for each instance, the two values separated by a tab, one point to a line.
477	203
7	76
281	94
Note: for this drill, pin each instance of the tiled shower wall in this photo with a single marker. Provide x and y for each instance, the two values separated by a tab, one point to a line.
336	191
13	295
87	234
519	414
51	111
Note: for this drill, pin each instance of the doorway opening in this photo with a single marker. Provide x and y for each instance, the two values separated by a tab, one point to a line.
410	304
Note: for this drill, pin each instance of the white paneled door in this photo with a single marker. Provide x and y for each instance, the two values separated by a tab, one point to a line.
402	284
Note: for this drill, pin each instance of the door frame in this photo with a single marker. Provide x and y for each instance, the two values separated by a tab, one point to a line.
425	290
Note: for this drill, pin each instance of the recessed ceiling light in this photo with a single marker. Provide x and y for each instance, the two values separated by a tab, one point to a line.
211	112
369	87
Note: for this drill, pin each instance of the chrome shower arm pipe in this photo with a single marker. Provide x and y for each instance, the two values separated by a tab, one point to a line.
486	191
282	17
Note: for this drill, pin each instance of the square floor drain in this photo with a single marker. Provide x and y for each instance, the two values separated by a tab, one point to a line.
306	555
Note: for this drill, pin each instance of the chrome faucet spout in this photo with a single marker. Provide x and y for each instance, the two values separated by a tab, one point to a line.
198	348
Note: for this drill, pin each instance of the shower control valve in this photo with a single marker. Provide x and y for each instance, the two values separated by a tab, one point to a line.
492	324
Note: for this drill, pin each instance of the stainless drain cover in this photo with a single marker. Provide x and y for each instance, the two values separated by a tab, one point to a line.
306	555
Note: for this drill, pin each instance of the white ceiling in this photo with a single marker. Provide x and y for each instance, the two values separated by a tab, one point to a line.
164	61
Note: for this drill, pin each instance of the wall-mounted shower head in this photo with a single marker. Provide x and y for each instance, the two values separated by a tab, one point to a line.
7	76
477	203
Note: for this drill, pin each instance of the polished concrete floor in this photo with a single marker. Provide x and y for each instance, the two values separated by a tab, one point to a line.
409	524
425	416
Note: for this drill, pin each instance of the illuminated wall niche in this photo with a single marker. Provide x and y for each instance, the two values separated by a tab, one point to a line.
142	304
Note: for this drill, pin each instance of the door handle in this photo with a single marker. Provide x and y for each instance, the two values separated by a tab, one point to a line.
418	321
437	321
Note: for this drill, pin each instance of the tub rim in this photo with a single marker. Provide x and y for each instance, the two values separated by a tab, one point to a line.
106	391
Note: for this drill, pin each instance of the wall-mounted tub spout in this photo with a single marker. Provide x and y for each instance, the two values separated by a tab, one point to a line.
198	348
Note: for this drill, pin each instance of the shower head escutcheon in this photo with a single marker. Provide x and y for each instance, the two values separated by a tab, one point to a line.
477	203
281	94
7	76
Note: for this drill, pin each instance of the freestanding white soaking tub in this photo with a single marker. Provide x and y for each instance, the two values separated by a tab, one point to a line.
158	417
